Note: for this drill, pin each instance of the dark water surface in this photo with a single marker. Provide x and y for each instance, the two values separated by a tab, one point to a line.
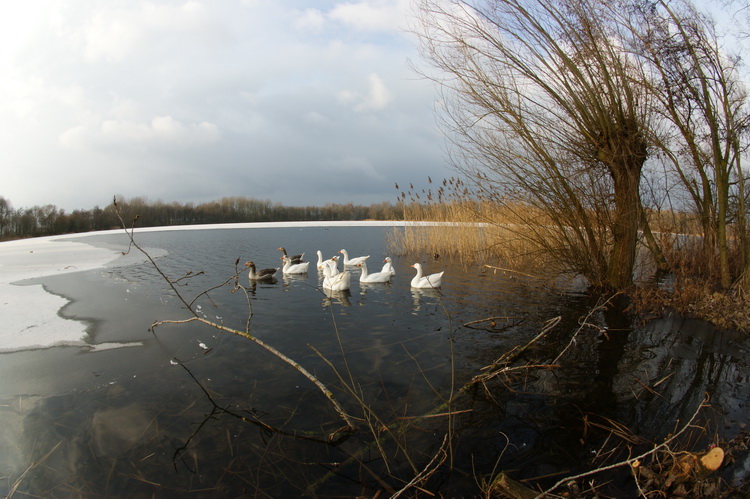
194	411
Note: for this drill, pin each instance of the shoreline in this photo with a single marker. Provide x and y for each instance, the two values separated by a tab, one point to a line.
31	315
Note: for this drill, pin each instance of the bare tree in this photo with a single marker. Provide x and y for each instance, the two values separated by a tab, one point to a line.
700	93
6	216
548	112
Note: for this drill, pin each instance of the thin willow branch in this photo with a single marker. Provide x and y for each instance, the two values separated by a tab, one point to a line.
493	321
218	410
315	381
38	462
350	427
503	269
437	460
515	352
630	461
585	323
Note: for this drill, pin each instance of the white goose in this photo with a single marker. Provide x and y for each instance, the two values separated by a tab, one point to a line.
294	268
388	266
352	261
374	277
321	262
335	282
260	275
330	267
430	281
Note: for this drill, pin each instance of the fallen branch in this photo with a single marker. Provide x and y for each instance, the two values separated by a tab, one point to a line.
495	269
33	465
437	460
253	419
629	462
585	322
493	322
350	427
513	354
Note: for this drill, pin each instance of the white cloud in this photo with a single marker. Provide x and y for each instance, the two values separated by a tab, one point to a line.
19	26
376	98
29	99
113	35
257	89
316	118
365	16
372	16
161	131
310	20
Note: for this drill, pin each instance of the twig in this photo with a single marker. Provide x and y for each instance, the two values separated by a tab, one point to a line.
493	321
33	465
585	323
514	353
489	319
245	334
218	410
437	460
630	461
439	415
512	271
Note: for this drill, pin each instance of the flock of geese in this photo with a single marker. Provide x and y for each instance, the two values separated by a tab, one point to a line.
336	280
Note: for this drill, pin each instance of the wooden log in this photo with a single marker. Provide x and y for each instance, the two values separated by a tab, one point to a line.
505	486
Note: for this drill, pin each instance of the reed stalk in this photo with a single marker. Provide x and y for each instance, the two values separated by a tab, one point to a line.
468	232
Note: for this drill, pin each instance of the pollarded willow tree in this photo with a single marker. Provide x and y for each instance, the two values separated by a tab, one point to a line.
550	116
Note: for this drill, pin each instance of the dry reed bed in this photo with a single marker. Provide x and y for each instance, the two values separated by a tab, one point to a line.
466	232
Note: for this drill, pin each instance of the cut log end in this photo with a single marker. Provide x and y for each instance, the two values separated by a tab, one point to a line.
712	459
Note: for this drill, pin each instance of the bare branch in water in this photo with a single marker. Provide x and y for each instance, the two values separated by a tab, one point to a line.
585	322
251	417
350	427
635	459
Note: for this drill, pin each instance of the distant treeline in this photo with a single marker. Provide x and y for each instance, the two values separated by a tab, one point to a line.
49	220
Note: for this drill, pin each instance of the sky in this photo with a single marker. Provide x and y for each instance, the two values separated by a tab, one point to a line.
302	103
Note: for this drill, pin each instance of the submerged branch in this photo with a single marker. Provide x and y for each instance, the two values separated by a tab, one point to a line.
503	269
254	419
350	427
631	461
585	322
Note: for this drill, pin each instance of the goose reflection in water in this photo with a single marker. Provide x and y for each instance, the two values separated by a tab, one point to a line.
419	294
340	297
290	279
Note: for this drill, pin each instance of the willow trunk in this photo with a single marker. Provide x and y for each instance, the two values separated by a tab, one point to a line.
626	223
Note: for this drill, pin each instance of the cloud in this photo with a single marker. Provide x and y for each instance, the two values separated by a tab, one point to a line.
372	16
113	35
376	98
162	131
315	118
310	20
361	166
256	98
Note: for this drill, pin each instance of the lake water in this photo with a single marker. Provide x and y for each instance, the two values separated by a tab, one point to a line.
189	409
